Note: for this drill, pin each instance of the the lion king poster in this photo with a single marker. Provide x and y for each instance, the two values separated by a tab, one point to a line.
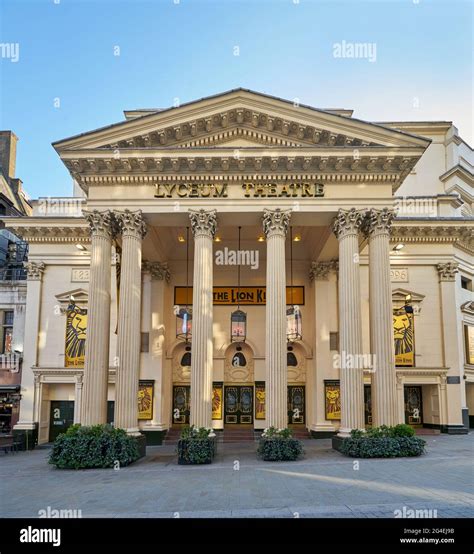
76	326
404	337
217	401
145	400
332	394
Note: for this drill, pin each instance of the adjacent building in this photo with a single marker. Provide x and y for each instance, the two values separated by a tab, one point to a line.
242	260
13	254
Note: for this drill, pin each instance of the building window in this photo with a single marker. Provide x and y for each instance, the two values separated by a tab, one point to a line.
186	359
466	283
3	210
6	333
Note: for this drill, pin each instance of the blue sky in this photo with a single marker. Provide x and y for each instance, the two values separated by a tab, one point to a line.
185	49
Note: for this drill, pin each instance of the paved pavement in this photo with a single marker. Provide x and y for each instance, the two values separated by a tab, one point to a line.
237	484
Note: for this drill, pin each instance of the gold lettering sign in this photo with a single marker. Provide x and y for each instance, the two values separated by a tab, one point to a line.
247	190
259	400
404	336
76	326
217	394
332	394
469	336
145	399
245	296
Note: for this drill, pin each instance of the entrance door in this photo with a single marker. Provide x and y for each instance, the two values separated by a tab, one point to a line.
413	405
238	404
181	403
296	404
61	417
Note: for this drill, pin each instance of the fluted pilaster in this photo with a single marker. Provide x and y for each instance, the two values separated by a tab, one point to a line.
346	227
96	365
275	225
384	381
132	228
203	224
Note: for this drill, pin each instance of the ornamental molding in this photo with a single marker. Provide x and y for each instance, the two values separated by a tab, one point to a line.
251	135
203	222
348	222
159	270
100	223
447	271
276	222
378	222
460	235
51	233
399	299
130	223
320	271
34	270
468	308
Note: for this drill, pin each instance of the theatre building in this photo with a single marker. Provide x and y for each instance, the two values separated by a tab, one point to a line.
243	261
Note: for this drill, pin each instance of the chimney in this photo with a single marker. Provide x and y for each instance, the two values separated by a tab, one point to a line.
8	141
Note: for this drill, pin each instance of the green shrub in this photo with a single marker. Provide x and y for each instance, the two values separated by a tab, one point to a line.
382	447
277	445
403	430
195	446
384	431
93	447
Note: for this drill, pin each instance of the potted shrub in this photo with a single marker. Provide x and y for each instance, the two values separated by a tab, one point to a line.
196	445
383	442
278	445
93	447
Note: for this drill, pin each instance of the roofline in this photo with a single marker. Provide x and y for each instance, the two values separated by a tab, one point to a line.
240	89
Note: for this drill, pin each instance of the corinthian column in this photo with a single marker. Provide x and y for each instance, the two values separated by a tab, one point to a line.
275	225
346	228
384	380
132	227
96	365
203	224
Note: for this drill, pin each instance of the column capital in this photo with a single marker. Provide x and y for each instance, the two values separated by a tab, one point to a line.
203	222
378	222
275	222
447	271
319	271
348	222
130	223
34	270
159	270
100	223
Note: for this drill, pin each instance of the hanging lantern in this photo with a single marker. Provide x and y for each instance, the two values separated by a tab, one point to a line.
293	324
238	319
238	326
293	313
184	319
184	315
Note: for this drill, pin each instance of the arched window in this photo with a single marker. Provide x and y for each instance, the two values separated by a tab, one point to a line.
186	359
291	359
238	360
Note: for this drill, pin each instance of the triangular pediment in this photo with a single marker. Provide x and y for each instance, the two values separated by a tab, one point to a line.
259	118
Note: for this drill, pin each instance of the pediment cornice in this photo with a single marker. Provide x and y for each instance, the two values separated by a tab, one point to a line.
244	109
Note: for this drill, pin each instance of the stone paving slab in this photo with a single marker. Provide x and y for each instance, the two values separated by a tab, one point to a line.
323	484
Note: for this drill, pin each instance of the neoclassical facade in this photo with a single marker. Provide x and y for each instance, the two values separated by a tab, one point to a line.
346	245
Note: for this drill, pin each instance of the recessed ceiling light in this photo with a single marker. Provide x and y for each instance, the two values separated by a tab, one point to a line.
297	238
398	247
217	239
261	238
181	239
81	247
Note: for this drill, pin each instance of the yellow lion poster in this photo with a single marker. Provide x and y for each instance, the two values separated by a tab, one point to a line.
404	337
333	400
217	402
145	400
76	326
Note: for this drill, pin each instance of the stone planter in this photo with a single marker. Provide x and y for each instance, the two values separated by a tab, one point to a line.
196	451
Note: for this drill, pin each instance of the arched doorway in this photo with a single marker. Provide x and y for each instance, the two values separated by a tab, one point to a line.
181	364
296	366
239	385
